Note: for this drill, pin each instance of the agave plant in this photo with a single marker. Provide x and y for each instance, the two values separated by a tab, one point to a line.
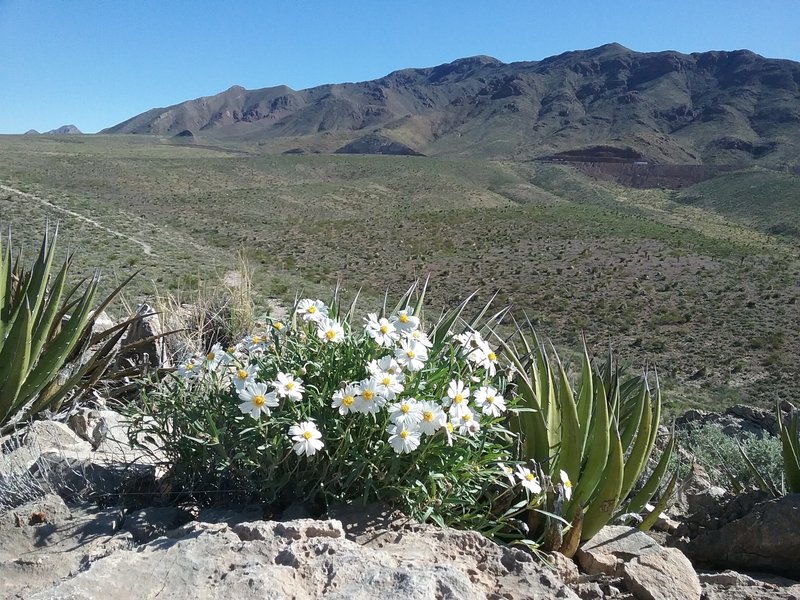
600	433
44	324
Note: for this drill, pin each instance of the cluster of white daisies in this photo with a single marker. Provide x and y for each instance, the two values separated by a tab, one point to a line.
407	347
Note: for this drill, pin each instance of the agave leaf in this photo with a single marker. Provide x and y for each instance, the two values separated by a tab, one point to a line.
14	360
439	331
631	415
638	456
650	487
650	520
606	499
421	298
569	458
764	484
791	451
48	313
585	397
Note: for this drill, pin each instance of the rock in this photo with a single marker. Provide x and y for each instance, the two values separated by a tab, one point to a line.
752	532
565	567
153	522
606	552
730	585
145	331
663	575
306	559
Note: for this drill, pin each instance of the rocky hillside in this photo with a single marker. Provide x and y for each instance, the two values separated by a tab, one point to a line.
609	103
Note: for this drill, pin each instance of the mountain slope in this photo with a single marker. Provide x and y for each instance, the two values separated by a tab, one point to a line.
665	107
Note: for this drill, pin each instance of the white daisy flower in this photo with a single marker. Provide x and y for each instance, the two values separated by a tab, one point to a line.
345	400
370	400
411	355
457	396
407	412
529	481
385	364
307	438
448	430
329	330
255	343
433	418
419	336
489	401
466	423
256	400
381	330
190	369
486	359
312	310
405	320
507	471
403	439
288	387
243	375
215	357
567	484
388	385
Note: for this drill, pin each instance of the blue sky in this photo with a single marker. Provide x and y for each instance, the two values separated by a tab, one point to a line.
96	63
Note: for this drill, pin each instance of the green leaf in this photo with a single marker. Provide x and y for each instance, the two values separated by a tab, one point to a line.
605	501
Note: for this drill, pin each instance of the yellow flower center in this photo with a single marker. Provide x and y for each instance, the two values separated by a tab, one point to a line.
312	309
427	416
466	418
368	394
458	399
449	427
404	434
490	399
290	386
259	400
242	374
386	380
492	356
384	328
530	476
348	400
568	483
256	339
405	408
307	435
210	356
330	334
410	354
189	366
278	325
403	318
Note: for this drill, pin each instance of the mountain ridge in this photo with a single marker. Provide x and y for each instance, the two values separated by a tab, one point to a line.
716	107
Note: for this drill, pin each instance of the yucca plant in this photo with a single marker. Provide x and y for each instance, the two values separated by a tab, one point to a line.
44	325
600	433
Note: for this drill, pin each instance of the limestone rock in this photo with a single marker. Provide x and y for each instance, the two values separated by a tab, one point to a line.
606	552
663	575
145	332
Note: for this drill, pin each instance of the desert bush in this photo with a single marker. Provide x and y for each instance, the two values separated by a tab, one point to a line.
721	455
325	409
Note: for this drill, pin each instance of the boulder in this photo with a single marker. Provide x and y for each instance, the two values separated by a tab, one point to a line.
607	551
662	575
752	532
145	332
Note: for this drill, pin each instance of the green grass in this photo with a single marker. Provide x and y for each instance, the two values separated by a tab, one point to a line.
664	281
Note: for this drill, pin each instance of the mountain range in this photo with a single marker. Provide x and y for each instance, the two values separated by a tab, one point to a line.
608	104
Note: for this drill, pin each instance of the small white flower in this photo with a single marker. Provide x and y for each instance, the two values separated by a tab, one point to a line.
312	310
345	400
329	330
433	418
381	330
307	438
243	375
190	369
215	357
405	320
407	412
448	429
489	401
457	396
411	355
257	400
567	484
403	438
467	424
370	400
418	336
289	387
388	385
255	343
507	471
385	364
529	481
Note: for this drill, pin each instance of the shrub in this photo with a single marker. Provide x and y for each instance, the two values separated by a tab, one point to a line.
322	409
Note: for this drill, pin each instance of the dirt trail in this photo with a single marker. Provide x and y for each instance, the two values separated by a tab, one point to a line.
146	248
